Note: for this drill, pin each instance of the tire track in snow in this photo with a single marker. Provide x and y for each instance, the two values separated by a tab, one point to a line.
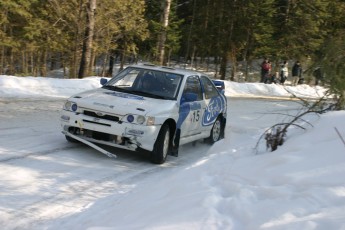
78	196
35	154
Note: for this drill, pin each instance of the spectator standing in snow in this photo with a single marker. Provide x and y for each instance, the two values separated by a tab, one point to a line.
284	72
265	70
296	73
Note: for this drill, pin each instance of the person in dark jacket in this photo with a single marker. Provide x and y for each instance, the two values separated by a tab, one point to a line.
265	70
296	73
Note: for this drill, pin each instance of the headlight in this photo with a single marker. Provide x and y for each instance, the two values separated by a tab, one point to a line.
141	119
70	106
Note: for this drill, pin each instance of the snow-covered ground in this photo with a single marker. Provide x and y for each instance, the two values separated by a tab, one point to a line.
54	87
48	183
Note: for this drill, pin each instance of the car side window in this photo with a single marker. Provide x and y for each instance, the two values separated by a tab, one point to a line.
192	90
209	89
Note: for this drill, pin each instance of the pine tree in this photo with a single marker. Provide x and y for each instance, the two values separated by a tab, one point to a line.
331	56
13	18
120	27
298	29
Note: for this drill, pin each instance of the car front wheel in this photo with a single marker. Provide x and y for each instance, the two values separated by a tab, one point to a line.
162	146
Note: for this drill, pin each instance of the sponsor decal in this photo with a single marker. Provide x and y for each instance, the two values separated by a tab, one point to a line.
125	95
104	105
135	132
213	109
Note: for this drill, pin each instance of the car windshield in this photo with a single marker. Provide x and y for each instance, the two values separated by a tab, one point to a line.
146	82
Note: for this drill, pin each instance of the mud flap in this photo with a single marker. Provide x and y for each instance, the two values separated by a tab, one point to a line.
176	144
90	144
223	128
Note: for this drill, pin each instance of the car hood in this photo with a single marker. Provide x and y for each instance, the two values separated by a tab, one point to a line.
121	103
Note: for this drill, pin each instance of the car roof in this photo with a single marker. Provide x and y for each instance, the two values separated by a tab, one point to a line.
168	69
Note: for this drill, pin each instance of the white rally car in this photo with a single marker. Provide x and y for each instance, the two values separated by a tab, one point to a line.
147	108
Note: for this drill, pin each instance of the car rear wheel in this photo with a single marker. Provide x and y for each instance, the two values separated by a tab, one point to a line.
216	132
162	146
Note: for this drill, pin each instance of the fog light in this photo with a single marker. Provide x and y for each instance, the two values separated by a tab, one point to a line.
64	117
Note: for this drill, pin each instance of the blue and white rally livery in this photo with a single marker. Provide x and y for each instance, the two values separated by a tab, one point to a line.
147	108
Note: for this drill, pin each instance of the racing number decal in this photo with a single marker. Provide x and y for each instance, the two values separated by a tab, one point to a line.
195	116
190	113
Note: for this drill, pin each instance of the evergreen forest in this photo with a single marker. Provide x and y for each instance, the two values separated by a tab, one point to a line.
87	37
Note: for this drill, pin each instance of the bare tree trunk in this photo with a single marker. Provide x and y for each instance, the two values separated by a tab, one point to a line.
2	60
35	63
163	35
223	64
169	56
73	66
216	66
111	63
190	33
31	62
43	64
122	60
88	40
192	58
92	66
23	61
104	65
11	67
234	64
225	51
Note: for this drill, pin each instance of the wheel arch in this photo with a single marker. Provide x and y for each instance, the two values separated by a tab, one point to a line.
174	137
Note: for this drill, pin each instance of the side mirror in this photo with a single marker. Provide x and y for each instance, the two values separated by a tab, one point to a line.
103	81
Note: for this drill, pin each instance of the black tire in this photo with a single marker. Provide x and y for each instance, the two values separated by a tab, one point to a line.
216	132
162	146
70	139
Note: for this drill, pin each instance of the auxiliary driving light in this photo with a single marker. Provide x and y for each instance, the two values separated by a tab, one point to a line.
74	107
130	118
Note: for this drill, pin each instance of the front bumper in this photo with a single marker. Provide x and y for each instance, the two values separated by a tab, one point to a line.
118	134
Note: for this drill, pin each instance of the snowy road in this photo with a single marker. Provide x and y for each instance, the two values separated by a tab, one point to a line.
45	180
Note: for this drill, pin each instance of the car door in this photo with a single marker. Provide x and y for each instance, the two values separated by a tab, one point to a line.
191	107
215	103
